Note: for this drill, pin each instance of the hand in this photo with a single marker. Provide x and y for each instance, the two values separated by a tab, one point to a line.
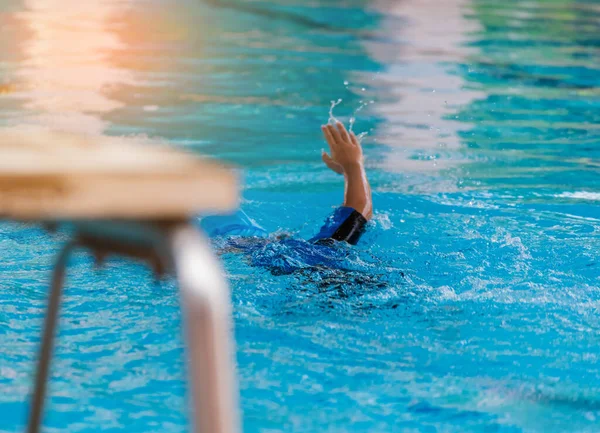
345	149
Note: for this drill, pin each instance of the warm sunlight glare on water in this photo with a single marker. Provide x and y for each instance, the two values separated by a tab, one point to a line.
65	71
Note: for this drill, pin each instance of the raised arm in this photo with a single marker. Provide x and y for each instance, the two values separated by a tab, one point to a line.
347	158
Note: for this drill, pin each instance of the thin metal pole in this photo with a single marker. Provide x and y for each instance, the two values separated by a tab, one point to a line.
207	313
45	356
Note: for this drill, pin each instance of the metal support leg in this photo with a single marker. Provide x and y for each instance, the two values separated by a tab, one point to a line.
205	304
43	366
207	310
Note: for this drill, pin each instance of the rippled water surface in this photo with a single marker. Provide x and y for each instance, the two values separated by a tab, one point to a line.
472	303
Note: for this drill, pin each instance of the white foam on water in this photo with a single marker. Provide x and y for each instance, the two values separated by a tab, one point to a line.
583	195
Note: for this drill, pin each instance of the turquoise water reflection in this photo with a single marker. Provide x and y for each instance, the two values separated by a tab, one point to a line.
472	303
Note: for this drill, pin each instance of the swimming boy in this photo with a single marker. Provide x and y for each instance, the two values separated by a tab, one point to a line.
348	221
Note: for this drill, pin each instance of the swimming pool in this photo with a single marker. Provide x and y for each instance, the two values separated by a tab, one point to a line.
471	304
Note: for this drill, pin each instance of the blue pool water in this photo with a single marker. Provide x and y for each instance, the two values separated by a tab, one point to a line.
471	303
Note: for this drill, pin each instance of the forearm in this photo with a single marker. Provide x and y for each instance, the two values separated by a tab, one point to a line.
357	193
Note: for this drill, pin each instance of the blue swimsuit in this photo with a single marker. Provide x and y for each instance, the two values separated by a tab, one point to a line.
345	224
284	256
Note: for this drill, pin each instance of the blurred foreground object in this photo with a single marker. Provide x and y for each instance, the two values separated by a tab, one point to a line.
122	196
57	176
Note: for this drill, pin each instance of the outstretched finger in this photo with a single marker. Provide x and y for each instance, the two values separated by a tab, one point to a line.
354	139
328	137
330	162
335	134
342	131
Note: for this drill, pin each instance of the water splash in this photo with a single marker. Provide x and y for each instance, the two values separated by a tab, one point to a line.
362	135
353	118
332	119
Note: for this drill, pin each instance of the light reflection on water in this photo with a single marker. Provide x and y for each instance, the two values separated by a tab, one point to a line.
65	72
425	89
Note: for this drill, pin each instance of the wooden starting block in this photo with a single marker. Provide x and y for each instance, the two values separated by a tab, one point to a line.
134	198
51	175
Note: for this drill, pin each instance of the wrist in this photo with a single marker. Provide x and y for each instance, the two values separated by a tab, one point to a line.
353	167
